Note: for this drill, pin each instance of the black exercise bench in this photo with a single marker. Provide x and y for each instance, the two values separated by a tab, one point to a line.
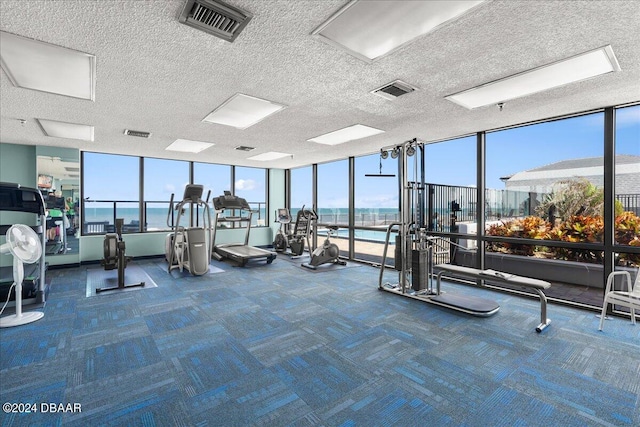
499	277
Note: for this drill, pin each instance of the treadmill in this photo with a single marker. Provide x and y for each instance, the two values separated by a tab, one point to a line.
240	253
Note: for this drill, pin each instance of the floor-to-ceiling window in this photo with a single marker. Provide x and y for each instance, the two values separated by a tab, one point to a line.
333	202
545	182
251	184
451	205
376	205
111	189
301	189
162	178
214	178
627	190
333	193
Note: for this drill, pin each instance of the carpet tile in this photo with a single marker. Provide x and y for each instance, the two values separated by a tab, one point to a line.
278	345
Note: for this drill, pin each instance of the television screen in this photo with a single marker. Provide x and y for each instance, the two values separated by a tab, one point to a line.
45	181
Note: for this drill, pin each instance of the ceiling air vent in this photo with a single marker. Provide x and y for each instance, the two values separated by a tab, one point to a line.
245	148
138	133
394	89
215	17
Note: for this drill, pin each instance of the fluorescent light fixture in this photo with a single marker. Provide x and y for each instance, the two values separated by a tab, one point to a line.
369	30
347	134
32	64
241	111
271	155
188	146
571	70
66	130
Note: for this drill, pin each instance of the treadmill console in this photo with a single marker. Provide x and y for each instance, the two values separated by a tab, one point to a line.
229	201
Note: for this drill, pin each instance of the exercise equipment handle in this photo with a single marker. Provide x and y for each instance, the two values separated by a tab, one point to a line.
169	213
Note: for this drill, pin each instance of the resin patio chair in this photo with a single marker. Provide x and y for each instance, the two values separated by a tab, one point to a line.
628	298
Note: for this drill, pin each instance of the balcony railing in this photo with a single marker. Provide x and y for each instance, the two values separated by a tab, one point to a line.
99	216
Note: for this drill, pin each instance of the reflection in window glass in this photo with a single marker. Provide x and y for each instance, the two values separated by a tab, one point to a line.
251	185
627	169
162	178
547	180
111	190
333	193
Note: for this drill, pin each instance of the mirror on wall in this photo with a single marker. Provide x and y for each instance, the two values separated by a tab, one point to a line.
58	179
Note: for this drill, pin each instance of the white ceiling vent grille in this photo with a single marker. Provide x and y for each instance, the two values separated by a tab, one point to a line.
138	133
215	17
394	89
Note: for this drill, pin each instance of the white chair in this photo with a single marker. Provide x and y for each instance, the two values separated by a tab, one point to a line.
629	298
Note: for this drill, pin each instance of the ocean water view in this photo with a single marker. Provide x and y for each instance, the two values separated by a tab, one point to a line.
157	216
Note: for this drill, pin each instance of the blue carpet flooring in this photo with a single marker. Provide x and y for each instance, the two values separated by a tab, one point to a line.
277	346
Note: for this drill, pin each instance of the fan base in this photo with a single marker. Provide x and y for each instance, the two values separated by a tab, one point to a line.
23	319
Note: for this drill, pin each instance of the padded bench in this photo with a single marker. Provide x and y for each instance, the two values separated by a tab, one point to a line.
499	277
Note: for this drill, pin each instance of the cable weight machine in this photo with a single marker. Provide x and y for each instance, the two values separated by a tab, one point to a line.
414	247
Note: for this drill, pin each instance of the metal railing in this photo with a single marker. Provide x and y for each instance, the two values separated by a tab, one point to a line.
99	216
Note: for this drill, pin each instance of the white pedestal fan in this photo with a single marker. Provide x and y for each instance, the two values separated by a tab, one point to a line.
24	245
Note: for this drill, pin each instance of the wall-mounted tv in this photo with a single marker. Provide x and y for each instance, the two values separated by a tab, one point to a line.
45	181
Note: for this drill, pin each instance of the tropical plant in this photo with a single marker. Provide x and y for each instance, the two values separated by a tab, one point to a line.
531	227
575	229
573	197
579	229
627	232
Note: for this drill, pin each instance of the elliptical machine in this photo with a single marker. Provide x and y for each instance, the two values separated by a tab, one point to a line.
189	247
328	253
281	241
114	257
294	241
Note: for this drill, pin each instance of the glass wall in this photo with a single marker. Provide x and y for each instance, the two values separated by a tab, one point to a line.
250	184
162	178
627	183
333	193
111	188
376	205
301	188
546	179
450	174
214	178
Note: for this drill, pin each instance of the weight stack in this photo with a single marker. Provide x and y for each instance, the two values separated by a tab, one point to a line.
420	269
397	254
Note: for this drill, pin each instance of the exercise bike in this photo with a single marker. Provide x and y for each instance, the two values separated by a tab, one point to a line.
114	257
294	241
328	253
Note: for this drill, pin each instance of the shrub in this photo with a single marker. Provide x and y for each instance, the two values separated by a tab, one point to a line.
575	197
575	229
531	227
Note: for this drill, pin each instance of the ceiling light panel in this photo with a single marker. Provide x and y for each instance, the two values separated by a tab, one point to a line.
371	29
242	111
271	155
347	134
32	64
580	67
188	146
57	129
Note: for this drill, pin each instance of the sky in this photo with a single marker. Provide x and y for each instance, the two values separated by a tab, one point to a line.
114	177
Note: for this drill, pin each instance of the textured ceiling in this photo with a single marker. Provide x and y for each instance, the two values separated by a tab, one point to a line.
157	75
